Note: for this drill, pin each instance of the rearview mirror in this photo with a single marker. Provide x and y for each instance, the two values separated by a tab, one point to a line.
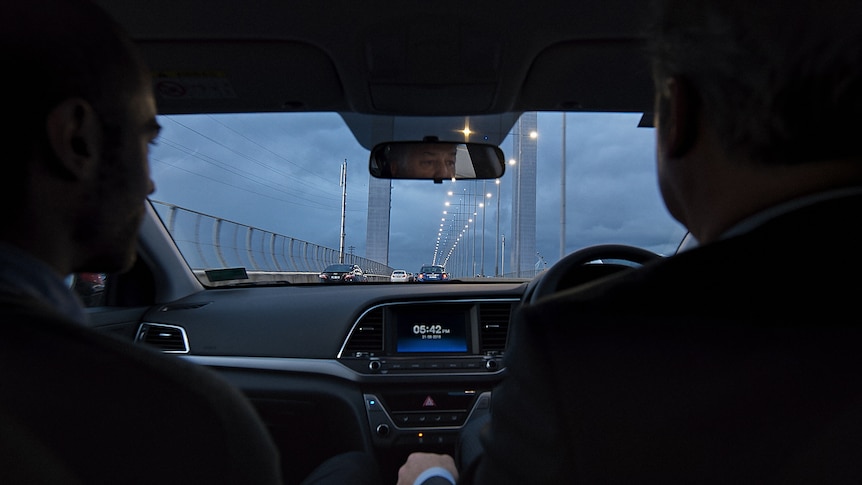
436	160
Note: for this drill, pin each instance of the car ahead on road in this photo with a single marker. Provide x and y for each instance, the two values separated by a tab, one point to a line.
269	118
432	273
342	273
400	276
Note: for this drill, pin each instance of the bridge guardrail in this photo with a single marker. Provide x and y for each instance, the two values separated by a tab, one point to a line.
212	242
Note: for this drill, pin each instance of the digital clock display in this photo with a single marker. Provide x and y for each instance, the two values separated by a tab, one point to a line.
431	330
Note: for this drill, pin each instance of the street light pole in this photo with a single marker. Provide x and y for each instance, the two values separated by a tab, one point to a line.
497	234
516	255
484	203
563	193
473	237
503	257
465	232
343	183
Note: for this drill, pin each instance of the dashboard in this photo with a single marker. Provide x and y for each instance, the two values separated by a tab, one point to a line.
384	368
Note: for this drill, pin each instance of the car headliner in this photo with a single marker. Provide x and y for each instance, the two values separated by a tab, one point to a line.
379	64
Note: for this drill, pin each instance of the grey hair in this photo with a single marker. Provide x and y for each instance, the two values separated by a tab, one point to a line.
780	80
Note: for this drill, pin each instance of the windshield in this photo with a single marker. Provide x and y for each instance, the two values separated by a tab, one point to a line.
291	193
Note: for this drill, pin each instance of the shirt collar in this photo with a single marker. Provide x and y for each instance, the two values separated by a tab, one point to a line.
762	217
23	274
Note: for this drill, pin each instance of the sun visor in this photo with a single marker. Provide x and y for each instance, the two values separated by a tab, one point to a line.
214	77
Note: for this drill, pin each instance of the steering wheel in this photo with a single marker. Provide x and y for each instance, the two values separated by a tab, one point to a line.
551	280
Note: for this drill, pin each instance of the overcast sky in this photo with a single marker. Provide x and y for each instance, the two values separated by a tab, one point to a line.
280	173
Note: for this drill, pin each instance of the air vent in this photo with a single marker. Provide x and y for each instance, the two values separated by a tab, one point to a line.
494	327
366	336
167	338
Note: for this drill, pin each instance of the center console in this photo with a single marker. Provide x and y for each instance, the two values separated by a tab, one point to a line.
429	366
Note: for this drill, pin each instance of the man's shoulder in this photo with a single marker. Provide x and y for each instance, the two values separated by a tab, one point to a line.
159	402
22	308
31	323
774	263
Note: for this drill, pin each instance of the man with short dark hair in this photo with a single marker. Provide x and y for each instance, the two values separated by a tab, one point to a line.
737	361
78	406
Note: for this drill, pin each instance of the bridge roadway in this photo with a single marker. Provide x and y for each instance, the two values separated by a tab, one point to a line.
305	277
295	277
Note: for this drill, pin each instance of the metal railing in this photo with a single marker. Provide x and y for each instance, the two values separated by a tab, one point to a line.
212	242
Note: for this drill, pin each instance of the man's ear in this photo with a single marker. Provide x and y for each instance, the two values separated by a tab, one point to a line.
679	116
75	136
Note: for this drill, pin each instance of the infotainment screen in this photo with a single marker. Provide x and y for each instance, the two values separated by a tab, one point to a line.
431	330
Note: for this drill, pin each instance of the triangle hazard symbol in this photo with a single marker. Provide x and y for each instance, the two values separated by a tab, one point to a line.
429	403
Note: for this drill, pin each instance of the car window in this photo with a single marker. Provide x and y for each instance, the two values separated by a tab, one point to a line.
339	267
250	191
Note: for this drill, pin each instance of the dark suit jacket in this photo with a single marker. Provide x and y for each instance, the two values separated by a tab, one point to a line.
76	405
736	362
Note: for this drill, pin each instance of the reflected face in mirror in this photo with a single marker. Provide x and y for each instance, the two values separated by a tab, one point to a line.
423	161
436	160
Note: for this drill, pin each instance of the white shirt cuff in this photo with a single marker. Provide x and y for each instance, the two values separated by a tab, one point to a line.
436	471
